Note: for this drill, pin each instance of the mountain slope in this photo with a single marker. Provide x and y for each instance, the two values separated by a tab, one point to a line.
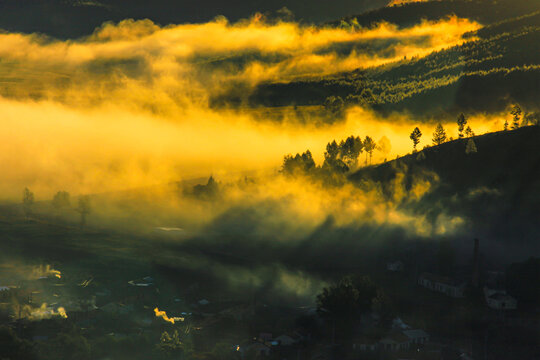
484	11
486	75
497	189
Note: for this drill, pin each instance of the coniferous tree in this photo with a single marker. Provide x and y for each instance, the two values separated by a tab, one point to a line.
349	150
469	133
298	164
415	137
516	113
471	147
332	158
369	146
461	121
439	136
332	151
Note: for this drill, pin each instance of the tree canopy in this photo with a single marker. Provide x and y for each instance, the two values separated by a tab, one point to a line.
369	147
298	164
461	121
60	200
415	137
439	136
344	302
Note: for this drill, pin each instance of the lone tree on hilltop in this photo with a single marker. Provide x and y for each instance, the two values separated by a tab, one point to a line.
439	136
461	122
415	137
28	202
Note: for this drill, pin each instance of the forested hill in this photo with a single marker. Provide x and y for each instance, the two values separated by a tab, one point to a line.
500	68
497	188
484	11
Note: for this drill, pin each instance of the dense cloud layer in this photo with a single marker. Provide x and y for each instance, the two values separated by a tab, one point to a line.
163	70
128	105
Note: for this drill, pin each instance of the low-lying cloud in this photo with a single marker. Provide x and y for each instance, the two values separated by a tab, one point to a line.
128	107
166	69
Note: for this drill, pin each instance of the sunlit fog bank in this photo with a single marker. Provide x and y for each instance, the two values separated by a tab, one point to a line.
128	106
49	146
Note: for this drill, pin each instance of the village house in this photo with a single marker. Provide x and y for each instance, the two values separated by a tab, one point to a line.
365	343
442	284
394	342
417	337
499	299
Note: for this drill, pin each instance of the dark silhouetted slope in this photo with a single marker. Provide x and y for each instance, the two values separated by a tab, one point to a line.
496	190
483	11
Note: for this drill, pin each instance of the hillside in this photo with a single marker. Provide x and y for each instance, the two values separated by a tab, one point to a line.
497	189
414	12
486	75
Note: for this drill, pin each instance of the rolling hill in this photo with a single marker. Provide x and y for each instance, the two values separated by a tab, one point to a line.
497	189
500	67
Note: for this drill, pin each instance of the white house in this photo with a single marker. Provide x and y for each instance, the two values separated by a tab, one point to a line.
499	299
366	344
442	284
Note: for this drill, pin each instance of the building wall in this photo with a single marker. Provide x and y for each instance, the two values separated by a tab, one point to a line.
450	290
502	304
